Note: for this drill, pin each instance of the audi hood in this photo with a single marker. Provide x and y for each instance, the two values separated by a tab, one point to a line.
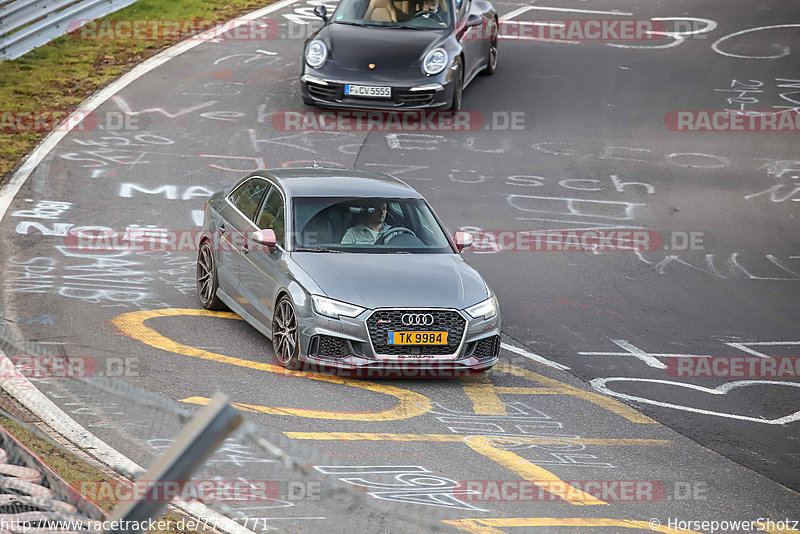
395	280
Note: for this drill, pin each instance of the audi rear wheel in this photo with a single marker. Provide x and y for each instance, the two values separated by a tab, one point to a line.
207	279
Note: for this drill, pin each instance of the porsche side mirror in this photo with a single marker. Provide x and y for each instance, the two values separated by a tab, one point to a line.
463	240
266	238
474	20
321	11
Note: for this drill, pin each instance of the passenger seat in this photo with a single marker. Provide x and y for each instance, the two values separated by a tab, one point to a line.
381	11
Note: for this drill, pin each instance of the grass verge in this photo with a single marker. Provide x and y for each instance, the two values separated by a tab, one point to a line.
63	73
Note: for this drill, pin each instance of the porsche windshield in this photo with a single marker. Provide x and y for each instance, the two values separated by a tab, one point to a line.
371	225
412	14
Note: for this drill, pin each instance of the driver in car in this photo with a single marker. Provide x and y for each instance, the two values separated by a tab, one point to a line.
431	6
367	231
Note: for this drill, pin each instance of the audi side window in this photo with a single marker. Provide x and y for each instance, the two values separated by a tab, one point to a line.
249	198
271	215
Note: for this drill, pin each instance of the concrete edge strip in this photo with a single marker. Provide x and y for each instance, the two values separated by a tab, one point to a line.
10	190
27	394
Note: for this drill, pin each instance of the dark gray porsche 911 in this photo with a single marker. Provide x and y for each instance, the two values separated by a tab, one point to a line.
398	54
348	269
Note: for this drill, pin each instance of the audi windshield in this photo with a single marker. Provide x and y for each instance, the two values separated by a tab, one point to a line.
367	225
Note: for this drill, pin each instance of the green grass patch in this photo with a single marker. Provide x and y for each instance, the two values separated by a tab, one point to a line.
63	73
72	469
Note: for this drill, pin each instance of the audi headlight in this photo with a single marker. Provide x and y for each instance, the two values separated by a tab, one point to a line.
316	53
486	309
435	61
334	308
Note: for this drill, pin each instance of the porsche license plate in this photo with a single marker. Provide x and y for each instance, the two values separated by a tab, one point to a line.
417	338
368	91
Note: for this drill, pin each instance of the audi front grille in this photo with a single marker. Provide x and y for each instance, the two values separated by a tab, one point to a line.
381	322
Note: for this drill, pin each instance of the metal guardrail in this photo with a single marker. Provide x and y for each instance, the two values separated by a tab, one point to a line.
26	24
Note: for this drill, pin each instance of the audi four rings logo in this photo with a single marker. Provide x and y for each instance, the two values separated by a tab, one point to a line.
417	319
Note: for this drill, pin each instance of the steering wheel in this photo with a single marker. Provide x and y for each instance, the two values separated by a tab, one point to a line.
393	232
427	15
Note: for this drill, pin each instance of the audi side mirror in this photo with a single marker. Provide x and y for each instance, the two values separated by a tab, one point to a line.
321	11
463	240
266	238
474	20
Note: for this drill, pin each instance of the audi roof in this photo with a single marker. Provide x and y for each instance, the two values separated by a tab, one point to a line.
337	182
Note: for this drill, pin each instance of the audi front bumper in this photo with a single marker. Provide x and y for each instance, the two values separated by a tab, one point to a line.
361	343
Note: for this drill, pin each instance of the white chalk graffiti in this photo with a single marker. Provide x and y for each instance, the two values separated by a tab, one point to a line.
600	384
784	50
735	266
410	484
517	430
170	192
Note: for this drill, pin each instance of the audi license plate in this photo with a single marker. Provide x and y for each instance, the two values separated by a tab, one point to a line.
417	338
368	91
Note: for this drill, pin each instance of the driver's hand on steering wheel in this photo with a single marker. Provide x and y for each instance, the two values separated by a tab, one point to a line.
390	233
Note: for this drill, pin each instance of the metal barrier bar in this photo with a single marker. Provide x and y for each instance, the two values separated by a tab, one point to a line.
26	24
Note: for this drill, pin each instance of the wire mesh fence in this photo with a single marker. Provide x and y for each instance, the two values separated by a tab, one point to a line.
259	480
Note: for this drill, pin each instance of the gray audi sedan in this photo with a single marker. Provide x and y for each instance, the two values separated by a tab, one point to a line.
346	269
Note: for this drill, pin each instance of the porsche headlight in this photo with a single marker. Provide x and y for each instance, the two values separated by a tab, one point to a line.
435	61
316	53
485	309
334	308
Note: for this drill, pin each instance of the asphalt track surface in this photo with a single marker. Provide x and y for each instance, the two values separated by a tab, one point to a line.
594	152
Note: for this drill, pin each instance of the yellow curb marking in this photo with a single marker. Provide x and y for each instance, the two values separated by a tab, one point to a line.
485	396
485	445
383	436
411	404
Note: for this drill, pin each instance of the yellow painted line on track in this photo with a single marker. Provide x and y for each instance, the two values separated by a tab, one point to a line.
491	525
482	392
483	395
384	436
529	471
552	386
490	447
411	403
528	391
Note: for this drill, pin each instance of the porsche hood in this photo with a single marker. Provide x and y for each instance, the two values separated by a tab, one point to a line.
389	49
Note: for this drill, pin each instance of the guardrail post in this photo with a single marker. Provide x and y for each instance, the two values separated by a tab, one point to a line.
194	444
